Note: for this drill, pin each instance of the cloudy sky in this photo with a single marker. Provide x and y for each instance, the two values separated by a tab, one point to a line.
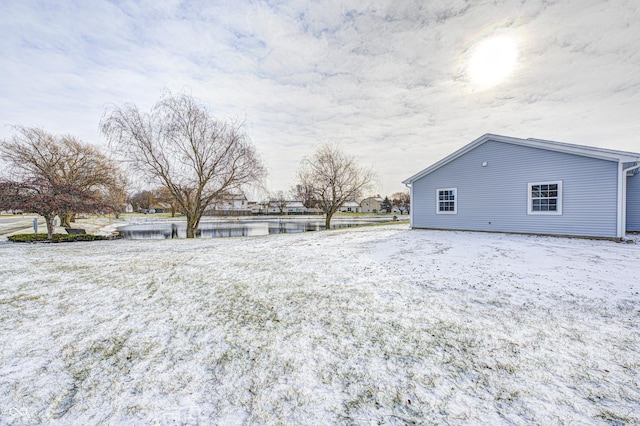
399	83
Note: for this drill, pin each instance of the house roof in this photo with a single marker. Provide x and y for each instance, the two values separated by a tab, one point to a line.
234	195
280	203
586	151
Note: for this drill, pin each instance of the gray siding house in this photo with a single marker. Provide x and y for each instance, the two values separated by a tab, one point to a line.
505	184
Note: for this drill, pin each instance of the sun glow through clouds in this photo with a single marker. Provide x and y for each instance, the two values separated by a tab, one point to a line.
492	61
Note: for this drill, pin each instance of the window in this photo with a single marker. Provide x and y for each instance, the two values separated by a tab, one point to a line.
447	201
545	198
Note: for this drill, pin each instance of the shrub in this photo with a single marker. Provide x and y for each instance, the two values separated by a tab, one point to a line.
56	238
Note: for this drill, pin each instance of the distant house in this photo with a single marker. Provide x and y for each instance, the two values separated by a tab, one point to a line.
281	207
505	184
294	207
158	208
254	207
350	207
371	204
233	203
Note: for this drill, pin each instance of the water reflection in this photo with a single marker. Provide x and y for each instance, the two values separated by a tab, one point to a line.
237	228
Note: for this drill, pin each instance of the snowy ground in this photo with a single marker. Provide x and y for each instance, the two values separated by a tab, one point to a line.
378	325
10	223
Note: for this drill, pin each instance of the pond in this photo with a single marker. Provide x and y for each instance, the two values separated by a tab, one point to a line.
243	227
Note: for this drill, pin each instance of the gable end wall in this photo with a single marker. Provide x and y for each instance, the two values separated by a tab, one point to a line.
494	198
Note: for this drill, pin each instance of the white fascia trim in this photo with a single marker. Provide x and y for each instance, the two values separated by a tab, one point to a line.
581	151
411	201
622	197
588	151
585	151
410	204
448	158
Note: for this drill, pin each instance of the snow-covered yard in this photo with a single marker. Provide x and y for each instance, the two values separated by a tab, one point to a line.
377	325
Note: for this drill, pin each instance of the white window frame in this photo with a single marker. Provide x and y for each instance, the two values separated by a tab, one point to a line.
530	199
455	201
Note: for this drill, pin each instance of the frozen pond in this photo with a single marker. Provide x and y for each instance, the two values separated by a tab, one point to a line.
240	227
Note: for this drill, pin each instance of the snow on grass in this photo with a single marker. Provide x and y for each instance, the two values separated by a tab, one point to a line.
377	325
15	221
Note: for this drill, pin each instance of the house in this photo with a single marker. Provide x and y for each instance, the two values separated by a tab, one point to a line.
232	203
371	204
350	207
160	207
294	207
505	184
278	207
254	207
236	202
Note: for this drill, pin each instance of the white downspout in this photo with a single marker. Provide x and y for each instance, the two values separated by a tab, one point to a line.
622	229
410	186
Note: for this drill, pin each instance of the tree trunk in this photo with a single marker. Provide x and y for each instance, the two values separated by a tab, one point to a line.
192	225
65	220
327	221
50	228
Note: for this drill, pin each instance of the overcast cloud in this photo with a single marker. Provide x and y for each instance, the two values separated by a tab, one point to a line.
386	79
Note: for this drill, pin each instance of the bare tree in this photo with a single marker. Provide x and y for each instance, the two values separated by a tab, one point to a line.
305	194
143	199
182	147
116	194
61	171
334	177
402	200
86	167
163	195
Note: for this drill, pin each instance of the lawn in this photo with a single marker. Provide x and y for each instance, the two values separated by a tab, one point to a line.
375	325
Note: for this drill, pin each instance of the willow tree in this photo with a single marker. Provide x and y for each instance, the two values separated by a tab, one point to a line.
180	146
333	178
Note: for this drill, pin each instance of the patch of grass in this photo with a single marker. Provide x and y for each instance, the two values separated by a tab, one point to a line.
56	238
147	215
614	418
363	214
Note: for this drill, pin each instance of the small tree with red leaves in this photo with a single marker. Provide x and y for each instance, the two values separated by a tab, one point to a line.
57	176
48	199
